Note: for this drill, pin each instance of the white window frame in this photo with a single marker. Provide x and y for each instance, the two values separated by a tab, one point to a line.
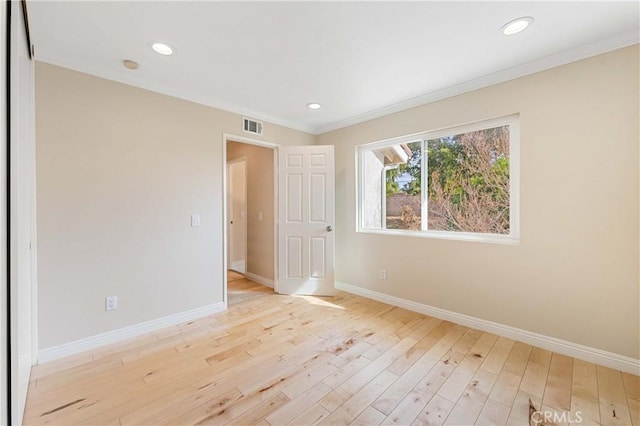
513	238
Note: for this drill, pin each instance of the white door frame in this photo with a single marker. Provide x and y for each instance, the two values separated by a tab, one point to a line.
226	138
4	368
20	237
242	159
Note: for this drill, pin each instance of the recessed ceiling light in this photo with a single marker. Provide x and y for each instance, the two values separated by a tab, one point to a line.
517	25
132	65
162	49
313	105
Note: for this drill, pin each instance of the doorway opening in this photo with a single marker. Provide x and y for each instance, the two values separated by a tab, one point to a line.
237	214
240	289
251	210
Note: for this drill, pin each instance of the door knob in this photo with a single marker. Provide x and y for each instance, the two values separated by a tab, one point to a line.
329	228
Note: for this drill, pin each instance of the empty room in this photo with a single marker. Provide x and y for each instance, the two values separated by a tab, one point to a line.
272	213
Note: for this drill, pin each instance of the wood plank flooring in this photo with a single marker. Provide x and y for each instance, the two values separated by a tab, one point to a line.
276	360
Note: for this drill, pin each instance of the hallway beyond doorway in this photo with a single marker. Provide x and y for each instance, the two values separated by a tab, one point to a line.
241	289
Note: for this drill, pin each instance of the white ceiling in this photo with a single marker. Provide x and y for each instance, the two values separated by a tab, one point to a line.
357	59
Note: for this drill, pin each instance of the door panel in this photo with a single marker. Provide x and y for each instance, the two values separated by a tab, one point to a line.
294	257
318	207
294	198
306	205
317	250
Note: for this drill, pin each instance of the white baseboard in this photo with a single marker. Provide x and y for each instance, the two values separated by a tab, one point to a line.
260	280
239	266
77	346
586	353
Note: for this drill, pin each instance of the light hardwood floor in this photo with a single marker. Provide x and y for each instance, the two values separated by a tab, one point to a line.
275	360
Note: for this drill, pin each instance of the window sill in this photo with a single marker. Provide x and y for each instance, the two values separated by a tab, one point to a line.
443	235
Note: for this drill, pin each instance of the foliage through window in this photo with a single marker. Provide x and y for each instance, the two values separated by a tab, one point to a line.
460	182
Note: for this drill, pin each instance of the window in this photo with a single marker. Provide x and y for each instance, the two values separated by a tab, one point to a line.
457	183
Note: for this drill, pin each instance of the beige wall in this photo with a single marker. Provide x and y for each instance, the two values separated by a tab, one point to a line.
575	274
119	172
260	198
121	169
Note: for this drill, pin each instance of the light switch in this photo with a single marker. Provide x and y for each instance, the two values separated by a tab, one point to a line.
195	220
260	216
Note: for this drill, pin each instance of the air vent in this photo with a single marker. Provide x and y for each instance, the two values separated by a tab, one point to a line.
252	126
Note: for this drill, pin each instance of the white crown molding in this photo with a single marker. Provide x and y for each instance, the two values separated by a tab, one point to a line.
562	58
77	346
586	353
548	62
82	67
260	280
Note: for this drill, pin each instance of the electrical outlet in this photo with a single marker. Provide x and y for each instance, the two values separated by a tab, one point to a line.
383	274
111	303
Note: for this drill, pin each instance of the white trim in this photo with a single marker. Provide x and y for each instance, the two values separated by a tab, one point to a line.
260	280
229	137
77	346
4	368
446	235
583	52
424	183
586	353
617	42
514	180
238	266
198	98
225	218
276	223
359	193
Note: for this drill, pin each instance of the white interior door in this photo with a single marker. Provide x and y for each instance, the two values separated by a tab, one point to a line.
237	202
306	220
